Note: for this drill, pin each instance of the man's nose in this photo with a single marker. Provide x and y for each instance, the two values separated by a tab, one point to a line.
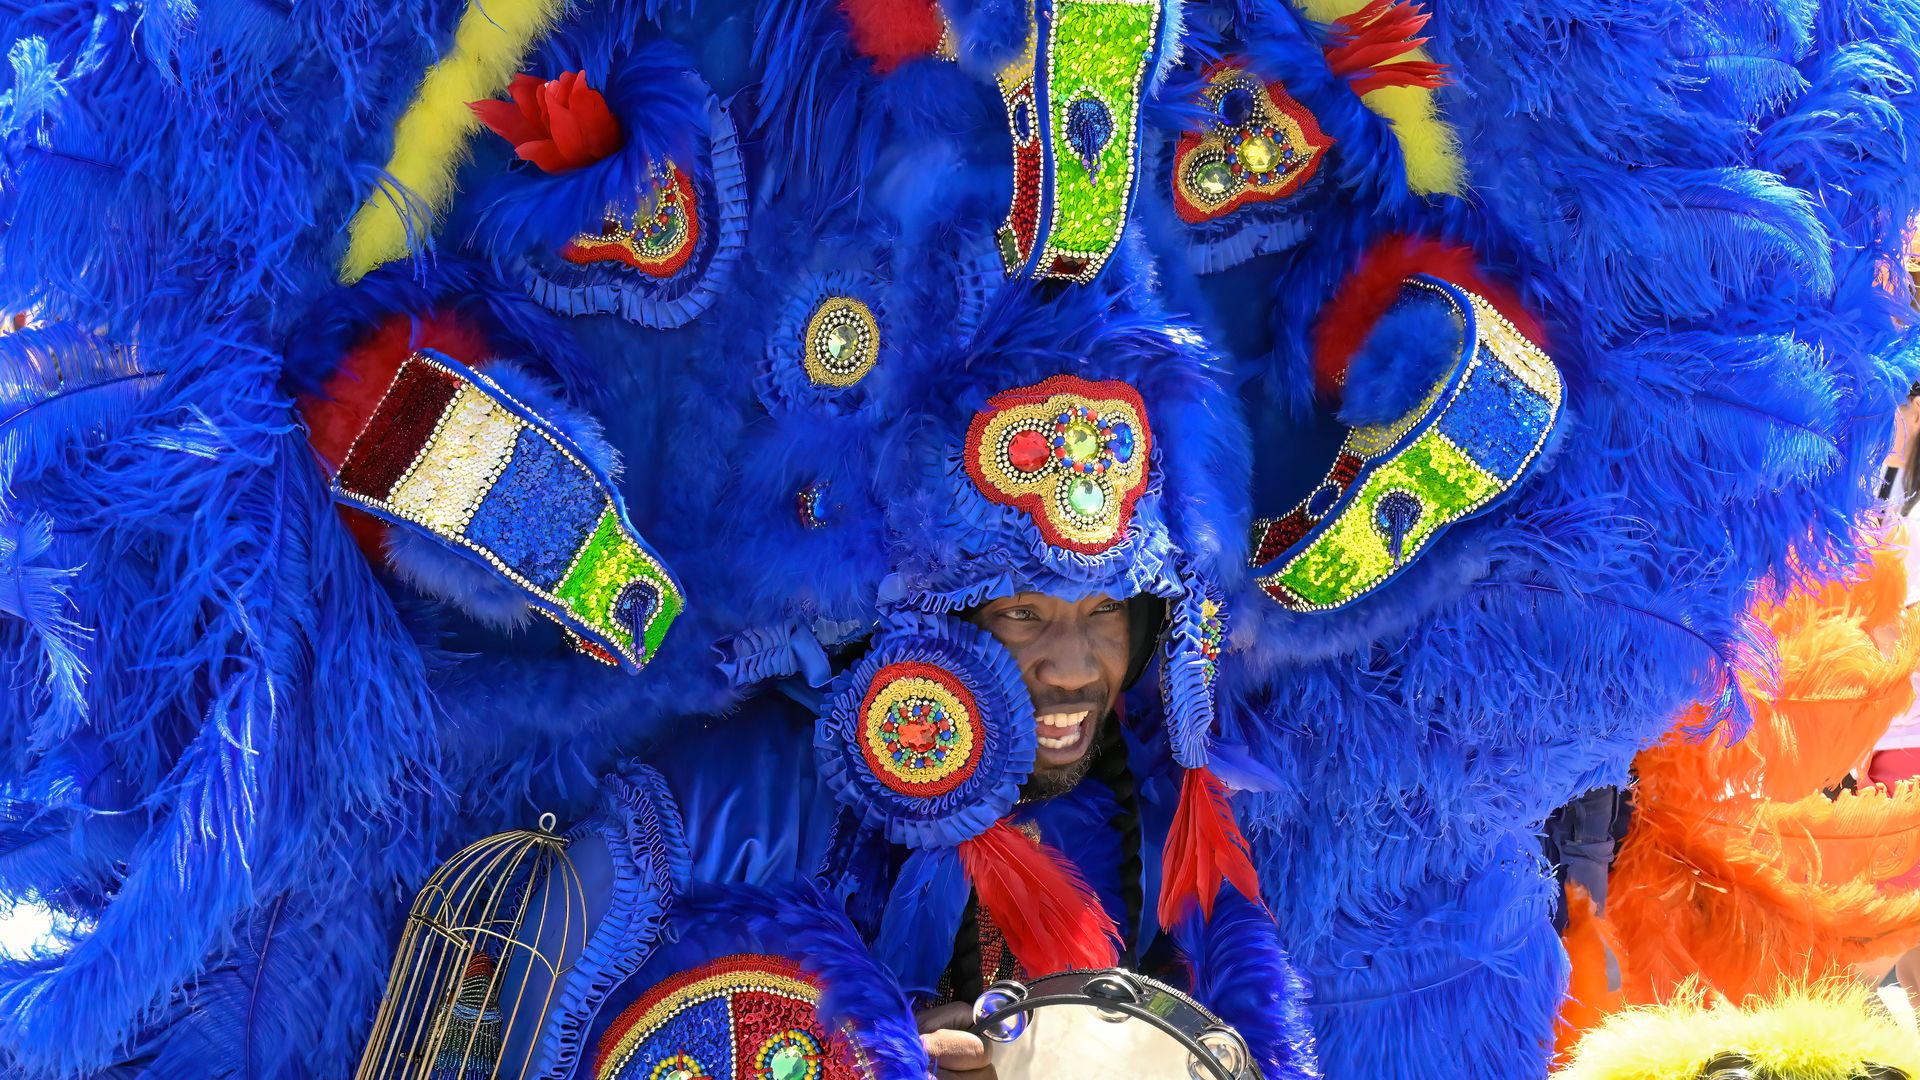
1069	662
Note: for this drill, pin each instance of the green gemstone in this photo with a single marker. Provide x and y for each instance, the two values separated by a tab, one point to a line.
1259	153
788	1063
1082	441
842	340
1214	180
1086	498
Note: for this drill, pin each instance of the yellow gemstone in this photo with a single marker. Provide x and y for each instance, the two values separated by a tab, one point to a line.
1259	153
1082	441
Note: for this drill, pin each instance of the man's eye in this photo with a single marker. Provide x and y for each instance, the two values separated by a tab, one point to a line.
1109	607
1020	614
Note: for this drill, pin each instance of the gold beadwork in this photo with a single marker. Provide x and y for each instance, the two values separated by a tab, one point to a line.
842	342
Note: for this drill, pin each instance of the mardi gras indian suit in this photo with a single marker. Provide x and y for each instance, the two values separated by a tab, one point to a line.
427	415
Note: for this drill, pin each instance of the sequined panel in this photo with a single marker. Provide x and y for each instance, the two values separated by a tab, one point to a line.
447	452
599	575
1074	168
741	1017
399	427
466	454
538	510
1397	486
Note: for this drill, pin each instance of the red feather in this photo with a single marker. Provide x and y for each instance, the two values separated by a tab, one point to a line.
1052	921
1362	45
1371	288
892	32
1204	849
558	124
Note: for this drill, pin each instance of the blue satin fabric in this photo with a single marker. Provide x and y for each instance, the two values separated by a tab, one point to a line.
751	799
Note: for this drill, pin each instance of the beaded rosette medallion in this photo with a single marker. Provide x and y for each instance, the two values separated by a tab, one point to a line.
448	453
1071	453
741	1017
931	734
1394	487
1073	104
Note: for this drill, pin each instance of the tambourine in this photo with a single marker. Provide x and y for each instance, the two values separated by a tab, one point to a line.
1102	1024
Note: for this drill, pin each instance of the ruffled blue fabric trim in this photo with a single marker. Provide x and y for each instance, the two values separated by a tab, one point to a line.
1003	713
1144	562
650	859
1187	677
773	652
687	295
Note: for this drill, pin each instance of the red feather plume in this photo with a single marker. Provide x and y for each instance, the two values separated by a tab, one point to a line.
1204	849
558	124
1362	47
892	32
1052	920
1372	287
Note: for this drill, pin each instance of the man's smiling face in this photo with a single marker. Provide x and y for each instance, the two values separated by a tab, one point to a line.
1073	656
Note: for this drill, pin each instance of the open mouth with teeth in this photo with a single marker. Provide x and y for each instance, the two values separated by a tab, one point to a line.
1064	736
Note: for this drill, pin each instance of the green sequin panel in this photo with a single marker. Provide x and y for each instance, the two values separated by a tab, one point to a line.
1099	48
610	560
1351	556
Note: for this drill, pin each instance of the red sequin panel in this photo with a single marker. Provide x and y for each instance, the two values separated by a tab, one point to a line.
1024	216
398	428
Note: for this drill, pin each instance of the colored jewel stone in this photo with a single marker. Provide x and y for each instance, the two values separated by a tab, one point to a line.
1259	153
1086	498
917	736
1081	441
1236	105
841	340
1214	180
1122	443
1027	450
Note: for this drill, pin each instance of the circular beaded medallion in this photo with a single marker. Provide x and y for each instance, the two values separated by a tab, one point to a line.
842	342
930	735
918	729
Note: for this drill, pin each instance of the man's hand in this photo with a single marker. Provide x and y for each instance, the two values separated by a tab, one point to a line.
955	1051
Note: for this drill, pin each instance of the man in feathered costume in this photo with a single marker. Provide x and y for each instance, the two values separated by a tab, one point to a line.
1522	340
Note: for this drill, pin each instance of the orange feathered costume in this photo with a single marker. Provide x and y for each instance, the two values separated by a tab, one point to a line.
1739	869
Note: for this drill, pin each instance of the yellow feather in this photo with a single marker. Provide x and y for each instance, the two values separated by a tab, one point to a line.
1827	1031
430	141
1427	142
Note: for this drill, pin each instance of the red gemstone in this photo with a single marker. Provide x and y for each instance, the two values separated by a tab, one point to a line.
1027	450
917	736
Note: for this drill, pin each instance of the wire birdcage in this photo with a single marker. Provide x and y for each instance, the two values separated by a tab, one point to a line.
486	945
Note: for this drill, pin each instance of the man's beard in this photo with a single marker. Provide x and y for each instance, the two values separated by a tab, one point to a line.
1057	781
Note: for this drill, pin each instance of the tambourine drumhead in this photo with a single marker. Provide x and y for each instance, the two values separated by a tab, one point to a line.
1097	1025
1074	1042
